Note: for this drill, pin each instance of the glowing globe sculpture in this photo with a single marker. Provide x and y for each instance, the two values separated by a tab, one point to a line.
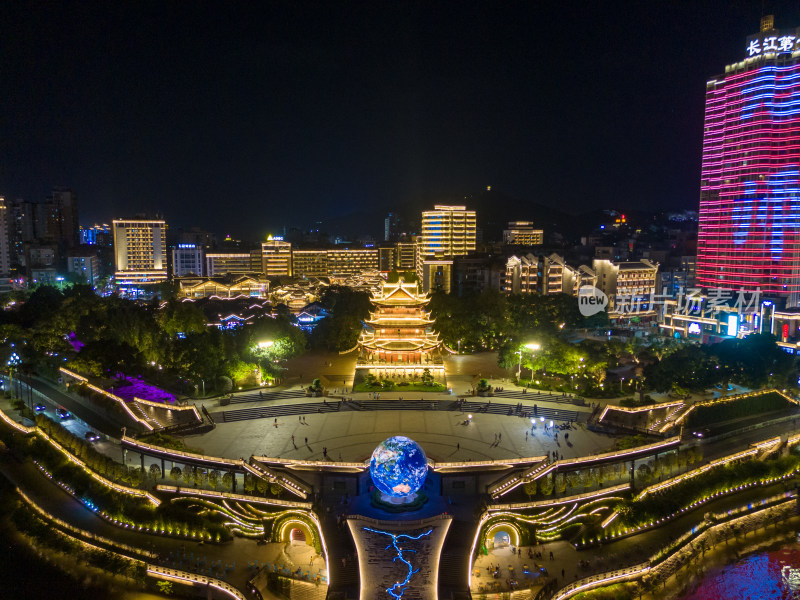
398	466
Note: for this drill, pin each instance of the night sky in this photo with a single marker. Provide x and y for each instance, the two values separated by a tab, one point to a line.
247	117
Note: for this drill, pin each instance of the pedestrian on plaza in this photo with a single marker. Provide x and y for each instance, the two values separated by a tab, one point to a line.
300	418
458	445
292	439
526	435
499	436
306	441
551	555
275	422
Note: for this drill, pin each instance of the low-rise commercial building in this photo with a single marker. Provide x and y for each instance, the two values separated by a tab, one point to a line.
187	259
522	233
222	287
85	264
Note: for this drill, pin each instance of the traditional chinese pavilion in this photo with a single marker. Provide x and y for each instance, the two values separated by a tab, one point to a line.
399	332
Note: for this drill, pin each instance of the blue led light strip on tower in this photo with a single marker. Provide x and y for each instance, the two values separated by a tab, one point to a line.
398	589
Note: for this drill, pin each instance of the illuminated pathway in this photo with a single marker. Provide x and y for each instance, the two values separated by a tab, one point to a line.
400	586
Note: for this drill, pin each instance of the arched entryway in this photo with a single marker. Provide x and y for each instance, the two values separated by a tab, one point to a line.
297	536
501	539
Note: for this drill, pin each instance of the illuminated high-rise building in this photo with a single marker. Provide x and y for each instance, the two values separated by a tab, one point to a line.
5	261
276	257
749	231
447	231
140	251
61	214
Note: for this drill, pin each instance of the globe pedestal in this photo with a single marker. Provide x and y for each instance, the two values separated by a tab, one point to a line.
399	500
398	504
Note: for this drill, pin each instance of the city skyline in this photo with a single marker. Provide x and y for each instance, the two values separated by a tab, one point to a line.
251	119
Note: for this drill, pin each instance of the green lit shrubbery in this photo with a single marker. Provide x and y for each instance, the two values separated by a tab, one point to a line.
719	412
653	507
25	522
125	508
618	591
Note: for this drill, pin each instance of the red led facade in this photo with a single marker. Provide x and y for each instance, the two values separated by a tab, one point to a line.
749	236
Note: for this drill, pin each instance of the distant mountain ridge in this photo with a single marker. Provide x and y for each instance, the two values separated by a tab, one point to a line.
494	211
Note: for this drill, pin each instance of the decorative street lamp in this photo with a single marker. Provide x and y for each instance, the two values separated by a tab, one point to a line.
13	363
532	347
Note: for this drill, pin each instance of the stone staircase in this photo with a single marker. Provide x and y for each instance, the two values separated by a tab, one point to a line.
267	396
272	412
454	561
344	579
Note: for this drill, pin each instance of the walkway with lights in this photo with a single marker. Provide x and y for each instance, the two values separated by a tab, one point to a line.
236	560
613	555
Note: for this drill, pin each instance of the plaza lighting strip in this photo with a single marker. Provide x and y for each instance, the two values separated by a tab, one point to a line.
539	471
725	400
116	399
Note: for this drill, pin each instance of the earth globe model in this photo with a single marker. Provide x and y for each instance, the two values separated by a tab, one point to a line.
398	466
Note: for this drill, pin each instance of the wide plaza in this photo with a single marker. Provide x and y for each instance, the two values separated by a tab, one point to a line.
445	435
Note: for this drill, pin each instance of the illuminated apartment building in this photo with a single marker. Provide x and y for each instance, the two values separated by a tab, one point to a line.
310	263
406	256
5	259
386	258
630	287
351	262
539	274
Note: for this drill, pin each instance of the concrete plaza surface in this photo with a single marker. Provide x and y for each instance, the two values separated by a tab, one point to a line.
353	435
444	435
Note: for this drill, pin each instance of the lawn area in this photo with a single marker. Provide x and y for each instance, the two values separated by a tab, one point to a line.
403	386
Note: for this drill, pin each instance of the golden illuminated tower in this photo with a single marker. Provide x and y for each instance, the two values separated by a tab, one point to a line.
399	332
